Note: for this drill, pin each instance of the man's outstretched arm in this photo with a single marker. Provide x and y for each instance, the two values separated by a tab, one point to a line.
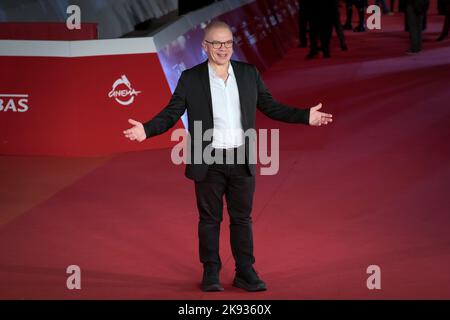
281	112
164	120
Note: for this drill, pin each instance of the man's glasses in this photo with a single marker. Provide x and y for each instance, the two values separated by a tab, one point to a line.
217	44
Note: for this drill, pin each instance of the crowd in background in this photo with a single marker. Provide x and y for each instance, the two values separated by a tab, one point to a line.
318	19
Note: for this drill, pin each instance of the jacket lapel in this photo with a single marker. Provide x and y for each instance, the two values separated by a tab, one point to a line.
204	75
240	83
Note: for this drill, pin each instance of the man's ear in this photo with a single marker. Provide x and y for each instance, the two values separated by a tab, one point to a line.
204	45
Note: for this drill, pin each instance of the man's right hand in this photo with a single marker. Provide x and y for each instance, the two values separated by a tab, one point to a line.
137	132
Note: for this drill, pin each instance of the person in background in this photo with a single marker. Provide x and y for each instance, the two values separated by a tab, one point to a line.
302	25
361	6
321	16
444	8
338	27
416	10
392	5
402	8
384	7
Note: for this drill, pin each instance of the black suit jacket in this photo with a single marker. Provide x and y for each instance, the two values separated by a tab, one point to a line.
194	95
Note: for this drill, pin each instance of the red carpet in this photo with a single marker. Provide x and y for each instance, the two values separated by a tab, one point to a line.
372	188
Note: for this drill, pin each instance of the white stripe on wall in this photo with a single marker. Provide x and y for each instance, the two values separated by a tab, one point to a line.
166	35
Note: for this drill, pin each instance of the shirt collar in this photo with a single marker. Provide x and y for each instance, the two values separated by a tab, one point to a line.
213	73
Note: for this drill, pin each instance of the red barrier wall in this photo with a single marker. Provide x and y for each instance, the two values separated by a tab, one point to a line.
68	109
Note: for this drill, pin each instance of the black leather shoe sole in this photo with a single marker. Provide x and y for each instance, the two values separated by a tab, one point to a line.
241	283
211	287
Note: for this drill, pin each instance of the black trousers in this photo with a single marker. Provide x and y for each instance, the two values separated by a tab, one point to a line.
234	183
415	24
302	27
338	27
361	7
321	29
446	11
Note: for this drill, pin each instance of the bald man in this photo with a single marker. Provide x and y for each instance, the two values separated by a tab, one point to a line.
223	95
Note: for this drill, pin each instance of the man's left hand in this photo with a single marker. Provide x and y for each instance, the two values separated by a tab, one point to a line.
317	118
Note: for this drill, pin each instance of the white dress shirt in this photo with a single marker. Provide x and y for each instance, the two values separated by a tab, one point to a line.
228	131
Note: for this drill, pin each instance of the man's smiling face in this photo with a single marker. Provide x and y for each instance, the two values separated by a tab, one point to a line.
215	36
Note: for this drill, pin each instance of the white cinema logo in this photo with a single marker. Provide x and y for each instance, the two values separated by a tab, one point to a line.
14	102
125	95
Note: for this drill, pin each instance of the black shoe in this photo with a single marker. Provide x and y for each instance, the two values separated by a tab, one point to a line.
442	37
347	26
326	54
359	29
210	281
344	47
249	280
303	45
312	55
413	52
